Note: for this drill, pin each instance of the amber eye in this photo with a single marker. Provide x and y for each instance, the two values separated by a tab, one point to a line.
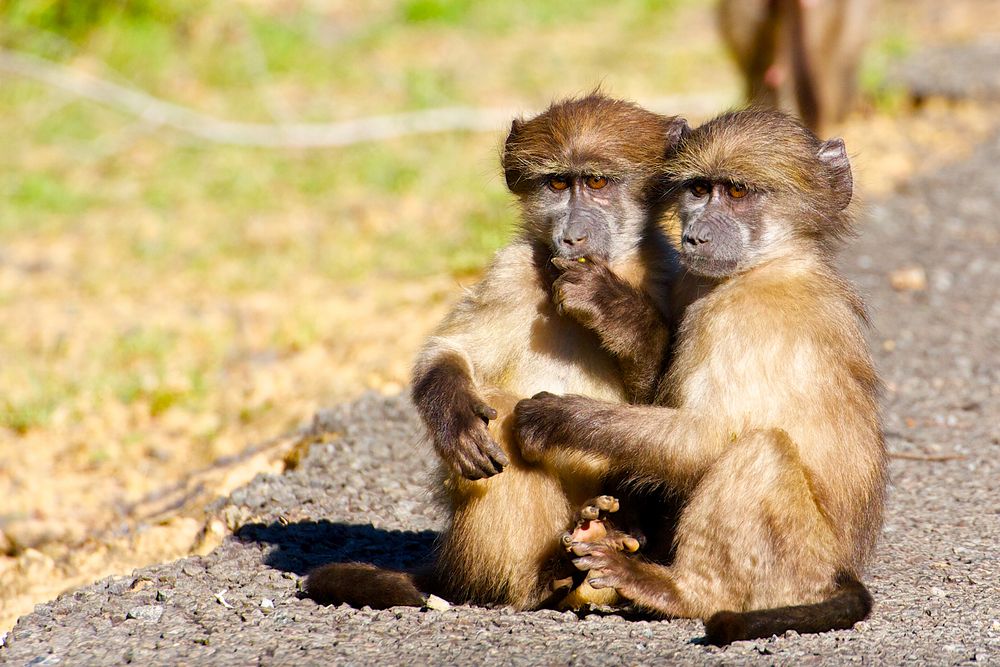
596	182
737	191
700	188
558	183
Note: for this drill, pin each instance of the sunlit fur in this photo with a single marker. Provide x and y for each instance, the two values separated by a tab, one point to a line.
503	531
768	151
769	426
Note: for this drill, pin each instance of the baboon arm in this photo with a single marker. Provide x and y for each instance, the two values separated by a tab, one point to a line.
645	442
636	333
624	317
456	415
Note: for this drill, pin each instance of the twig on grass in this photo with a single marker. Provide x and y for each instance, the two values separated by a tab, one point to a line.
289	135
909	456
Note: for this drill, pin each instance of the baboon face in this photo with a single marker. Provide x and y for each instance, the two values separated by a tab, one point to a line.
754	185
589	174
721	224
585	213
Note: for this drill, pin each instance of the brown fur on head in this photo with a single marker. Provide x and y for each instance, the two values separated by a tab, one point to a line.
588	135
574	141
769	152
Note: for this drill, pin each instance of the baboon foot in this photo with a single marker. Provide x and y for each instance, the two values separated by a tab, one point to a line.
593	525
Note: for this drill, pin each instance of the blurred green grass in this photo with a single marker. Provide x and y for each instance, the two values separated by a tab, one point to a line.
146	216
125	235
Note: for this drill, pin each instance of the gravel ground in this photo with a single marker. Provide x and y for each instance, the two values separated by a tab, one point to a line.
957	71
362	496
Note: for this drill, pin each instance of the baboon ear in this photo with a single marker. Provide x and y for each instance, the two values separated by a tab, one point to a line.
511	172
677	131
833	154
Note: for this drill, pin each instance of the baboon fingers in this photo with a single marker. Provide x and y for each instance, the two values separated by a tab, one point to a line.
475	466
602	582
584	548
494	453
607	504
485	412
477	455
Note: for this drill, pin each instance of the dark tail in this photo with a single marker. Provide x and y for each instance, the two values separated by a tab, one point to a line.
360	584
848	605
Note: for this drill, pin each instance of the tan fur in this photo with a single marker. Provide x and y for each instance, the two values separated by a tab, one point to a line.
503	531
781	445
769	426
802	57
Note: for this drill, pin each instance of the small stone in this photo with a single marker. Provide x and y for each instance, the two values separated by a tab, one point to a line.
909	279
146	612
140	584
437	604
267	603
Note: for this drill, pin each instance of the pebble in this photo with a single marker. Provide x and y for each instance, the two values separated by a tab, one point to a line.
146	612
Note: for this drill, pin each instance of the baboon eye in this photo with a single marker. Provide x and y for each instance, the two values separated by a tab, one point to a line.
700	188
737	191
596	182
558	182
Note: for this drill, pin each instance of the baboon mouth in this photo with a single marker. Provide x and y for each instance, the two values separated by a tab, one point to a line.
573	254
712	267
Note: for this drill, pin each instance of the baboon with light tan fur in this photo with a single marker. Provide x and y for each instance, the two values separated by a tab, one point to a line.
767	423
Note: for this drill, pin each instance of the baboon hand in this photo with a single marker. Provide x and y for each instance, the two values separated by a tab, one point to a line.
582	288
537	423
466	445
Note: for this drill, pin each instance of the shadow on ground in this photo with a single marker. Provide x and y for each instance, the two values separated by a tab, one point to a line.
302	546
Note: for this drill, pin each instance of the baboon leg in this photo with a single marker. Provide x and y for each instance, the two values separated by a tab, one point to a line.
750	537
504	542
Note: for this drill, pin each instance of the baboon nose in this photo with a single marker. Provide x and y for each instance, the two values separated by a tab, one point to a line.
574	240
697	237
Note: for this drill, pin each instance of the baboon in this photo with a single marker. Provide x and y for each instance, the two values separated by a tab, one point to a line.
767	422
587	174
798	55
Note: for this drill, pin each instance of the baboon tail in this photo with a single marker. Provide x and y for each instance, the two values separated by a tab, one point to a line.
849	604
360	584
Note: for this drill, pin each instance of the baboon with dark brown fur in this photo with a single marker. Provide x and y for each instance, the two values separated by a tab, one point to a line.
588	176
767	423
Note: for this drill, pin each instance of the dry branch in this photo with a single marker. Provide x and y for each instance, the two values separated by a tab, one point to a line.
288	135
934	458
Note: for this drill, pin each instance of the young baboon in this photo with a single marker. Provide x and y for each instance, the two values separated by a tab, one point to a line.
588	176
767	422
798	55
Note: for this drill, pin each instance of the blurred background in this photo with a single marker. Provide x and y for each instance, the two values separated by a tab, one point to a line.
197	253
